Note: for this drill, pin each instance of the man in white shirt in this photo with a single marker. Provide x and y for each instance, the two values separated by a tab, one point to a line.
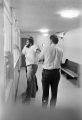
30	52
52	57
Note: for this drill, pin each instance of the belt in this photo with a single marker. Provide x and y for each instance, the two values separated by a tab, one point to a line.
30	65
51	69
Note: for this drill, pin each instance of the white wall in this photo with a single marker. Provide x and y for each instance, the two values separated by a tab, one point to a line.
2	71
15	37
73	45
42	40
73	48
7	41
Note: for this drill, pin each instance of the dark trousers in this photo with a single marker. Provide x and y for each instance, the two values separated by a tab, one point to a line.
50	78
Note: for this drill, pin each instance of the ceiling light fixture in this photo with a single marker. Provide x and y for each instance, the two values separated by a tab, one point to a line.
45	34
72	13
44	30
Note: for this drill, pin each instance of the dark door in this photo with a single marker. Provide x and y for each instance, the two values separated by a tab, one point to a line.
23	42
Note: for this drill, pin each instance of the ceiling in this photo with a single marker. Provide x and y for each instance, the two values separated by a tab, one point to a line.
33	15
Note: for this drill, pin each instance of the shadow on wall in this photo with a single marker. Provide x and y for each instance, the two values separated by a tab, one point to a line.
9	69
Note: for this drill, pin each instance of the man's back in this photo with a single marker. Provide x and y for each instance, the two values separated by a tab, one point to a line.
52	57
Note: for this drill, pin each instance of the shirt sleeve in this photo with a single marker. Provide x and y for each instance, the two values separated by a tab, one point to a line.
41	55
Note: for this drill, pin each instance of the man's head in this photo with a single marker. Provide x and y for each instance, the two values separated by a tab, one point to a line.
27	43
30	41
54	39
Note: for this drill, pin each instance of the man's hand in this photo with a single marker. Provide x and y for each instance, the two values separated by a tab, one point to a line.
40	61
38	50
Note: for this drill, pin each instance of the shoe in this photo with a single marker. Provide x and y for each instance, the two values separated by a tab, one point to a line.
26	100
44	103
52	104
23	94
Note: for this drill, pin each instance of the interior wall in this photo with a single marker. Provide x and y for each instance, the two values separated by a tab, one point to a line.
73	48
15	37
16	53
2	68
8	55
11	35
72	45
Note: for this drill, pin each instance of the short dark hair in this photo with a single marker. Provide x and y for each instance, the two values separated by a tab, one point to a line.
54	38
31	40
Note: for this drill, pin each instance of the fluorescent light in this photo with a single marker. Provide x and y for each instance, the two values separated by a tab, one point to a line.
44	30
45	34
69	13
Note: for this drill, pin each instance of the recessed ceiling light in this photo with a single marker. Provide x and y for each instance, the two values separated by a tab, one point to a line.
69	13
44	30
45	34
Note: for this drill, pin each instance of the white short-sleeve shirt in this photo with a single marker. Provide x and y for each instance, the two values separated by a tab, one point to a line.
52	56
30	54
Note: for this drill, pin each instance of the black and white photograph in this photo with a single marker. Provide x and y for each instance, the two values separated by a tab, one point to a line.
40	59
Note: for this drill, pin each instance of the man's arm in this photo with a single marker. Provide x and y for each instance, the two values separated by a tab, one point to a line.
41	56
